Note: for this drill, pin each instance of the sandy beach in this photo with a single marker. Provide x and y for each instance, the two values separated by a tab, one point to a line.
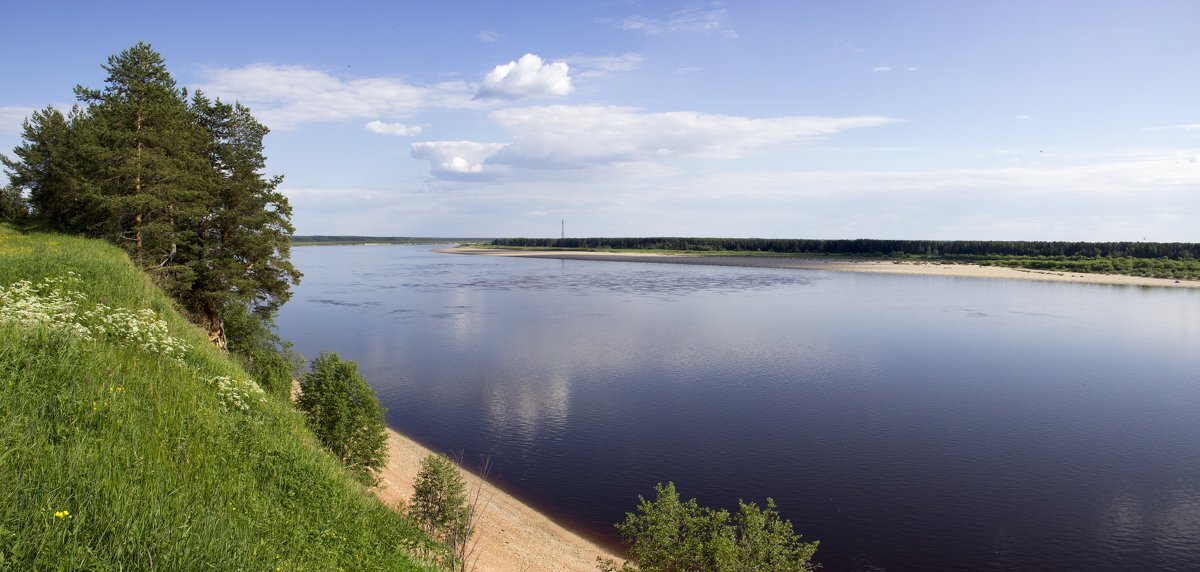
512	537
841	265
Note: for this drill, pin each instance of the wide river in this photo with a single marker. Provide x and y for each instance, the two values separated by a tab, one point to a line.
906	422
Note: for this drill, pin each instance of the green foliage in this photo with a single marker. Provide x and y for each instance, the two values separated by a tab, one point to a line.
1153	259
268	359
241	254
668	534
13	206
878	247
439	503
1185	268
177	183
345	414
114	457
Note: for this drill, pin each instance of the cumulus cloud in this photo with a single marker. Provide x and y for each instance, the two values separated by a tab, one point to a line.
456	159
284	97
397	129
528	76
12	116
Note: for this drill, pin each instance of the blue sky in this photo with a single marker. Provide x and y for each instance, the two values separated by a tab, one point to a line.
953	119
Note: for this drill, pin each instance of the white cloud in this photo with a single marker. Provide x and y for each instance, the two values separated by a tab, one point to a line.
589	136
12	116
1183	127
528	76
881	69
456	159
571	136
489	36
286	96
691	20
397	129
602	66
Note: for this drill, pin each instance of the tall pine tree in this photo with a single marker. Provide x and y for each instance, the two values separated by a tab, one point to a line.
145	155
245	240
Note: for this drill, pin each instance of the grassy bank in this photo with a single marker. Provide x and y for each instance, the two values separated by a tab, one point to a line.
128	442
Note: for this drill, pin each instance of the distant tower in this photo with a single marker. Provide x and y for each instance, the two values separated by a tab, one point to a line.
563	222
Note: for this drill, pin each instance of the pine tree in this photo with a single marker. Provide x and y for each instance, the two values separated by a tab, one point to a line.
146	158
46	171
245	239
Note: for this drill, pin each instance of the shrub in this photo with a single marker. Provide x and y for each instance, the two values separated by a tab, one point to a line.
345	414
440	504
268	359
670	535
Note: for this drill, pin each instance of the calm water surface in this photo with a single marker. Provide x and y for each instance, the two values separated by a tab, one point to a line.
905	422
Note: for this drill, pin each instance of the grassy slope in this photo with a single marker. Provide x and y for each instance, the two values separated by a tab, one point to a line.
153	472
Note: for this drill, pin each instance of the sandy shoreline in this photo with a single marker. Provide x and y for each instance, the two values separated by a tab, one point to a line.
836	265
511	536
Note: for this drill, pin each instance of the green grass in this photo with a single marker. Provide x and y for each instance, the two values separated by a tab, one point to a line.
136	447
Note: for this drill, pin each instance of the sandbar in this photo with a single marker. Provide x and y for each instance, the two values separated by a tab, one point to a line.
919	268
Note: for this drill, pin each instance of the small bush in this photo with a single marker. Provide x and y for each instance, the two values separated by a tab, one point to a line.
440	504
669	535
345	414
268	359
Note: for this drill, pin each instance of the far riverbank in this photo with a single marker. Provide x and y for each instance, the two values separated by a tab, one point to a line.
838	265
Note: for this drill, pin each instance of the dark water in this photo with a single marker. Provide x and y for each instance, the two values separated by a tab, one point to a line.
905	422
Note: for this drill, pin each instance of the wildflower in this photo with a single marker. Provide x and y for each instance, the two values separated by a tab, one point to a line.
62	514
236	394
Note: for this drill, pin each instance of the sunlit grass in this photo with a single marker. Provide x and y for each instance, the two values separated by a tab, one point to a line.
117	455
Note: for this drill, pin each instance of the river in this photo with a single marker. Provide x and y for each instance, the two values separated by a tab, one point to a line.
906	422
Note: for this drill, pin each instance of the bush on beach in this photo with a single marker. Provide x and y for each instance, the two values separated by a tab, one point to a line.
345	415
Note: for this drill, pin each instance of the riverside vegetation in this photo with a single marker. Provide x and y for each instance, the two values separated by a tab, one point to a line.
129	438
128	441
146	419
1178	260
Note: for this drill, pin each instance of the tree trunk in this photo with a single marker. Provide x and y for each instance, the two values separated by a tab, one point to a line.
216	328
137	178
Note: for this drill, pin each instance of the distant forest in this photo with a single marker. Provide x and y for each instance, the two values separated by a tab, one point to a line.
1157	259
335	239
874	247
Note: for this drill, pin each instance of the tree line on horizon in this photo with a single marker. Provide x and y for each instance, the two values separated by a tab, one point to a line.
879	247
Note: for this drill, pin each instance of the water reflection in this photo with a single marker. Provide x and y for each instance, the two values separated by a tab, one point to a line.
528	410
906	422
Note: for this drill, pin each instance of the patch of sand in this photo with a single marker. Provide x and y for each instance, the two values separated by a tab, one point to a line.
511	537
841	265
